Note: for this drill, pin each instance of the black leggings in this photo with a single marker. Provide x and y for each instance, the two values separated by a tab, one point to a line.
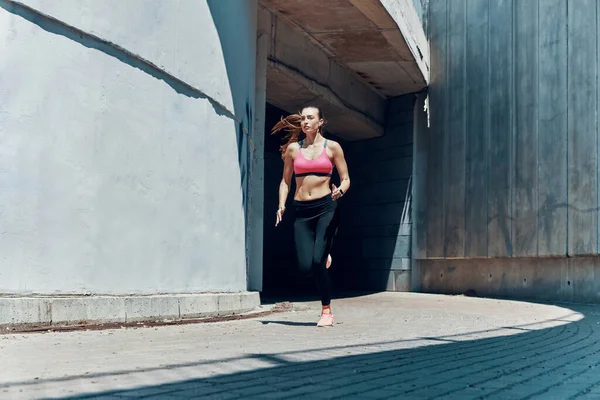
314	229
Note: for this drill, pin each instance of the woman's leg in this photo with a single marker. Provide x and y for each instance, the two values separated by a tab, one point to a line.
304	238
314	230
325	232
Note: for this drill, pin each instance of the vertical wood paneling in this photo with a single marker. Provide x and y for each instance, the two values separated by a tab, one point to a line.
500	109
477	127
525	135
552	126
530	98
435	184
454	135
582	151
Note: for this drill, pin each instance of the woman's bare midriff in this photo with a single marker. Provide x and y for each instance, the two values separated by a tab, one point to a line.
312	187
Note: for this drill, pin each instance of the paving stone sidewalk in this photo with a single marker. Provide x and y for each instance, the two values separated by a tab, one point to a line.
387	345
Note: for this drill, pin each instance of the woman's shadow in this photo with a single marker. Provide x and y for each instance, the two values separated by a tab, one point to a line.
289	323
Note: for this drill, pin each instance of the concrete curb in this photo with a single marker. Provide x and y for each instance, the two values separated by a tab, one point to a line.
57	310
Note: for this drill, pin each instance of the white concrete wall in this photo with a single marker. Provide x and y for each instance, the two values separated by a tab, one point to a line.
123	165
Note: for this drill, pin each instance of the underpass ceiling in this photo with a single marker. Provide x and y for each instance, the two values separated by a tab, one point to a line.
359	34
346	56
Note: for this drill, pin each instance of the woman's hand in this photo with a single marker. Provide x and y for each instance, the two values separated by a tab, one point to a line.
336	192
280	212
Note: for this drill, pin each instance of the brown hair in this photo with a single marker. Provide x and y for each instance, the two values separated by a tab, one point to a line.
292	124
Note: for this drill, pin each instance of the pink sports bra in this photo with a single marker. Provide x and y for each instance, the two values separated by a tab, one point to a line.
320	166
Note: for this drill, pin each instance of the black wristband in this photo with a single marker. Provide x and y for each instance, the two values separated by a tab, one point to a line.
341	191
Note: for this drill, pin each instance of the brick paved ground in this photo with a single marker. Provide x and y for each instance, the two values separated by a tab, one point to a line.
389	345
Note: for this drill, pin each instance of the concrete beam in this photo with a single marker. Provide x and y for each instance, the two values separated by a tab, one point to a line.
406	17
334	106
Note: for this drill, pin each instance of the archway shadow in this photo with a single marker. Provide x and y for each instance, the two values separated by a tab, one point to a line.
518	361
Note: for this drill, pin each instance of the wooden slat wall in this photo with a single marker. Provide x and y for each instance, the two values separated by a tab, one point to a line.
500	63
552	128
512	150
454	145
434	224
582	129
524	226
477	120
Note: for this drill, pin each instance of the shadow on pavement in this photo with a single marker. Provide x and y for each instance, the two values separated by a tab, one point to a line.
289	323
515	362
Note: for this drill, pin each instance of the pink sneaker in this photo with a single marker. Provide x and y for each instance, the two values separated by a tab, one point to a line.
326	320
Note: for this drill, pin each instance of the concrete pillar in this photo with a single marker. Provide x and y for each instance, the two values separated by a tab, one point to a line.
254	232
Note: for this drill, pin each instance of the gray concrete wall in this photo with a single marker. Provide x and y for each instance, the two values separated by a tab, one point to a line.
512	152
124	145
573	279
373	248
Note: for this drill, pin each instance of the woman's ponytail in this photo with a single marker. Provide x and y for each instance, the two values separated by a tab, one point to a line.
292	125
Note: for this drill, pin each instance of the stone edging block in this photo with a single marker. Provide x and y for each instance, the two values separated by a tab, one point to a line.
57	310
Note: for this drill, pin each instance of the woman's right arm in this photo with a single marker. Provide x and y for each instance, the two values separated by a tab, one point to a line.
284	186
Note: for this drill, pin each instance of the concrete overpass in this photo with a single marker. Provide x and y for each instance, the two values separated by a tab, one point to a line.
347	56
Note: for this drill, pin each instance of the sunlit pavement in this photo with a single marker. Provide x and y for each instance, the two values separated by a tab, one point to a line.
388	345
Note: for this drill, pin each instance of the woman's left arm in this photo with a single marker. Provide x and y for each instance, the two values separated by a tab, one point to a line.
340	164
